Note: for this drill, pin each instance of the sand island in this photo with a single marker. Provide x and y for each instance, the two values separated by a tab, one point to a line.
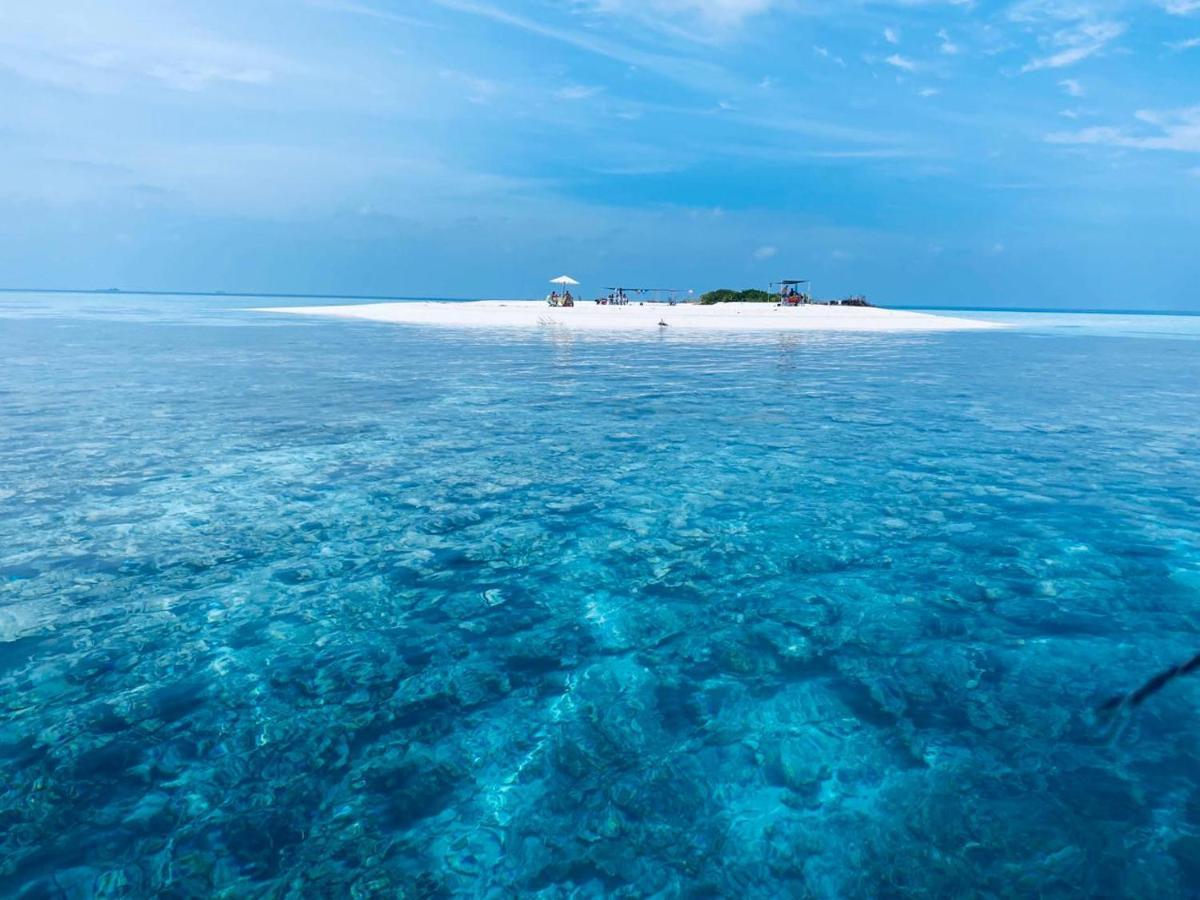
590	316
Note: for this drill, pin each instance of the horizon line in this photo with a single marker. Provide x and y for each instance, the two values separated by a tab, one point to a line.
288	295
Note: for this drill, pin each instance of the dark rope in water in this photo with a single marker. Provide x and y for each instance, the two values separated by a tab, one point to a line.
1153	686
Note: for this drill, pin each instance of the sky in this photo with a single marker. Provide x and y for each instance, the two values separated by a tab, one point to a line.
1025	153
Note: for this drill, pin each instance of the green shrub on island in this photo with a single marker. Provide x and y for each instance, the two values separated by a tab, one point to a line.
725	295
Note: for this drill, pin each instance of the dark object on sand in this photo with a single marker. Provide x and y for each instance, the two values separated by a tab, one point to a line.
1153	686
662	324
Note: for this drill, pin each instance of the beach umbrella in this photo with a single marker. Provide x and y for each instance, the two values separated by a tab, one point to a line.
564	280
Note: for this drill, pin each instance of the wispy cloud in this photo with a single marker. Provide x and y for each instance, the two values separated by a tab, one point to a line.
81	50
684	70
1070	30
1180	7
891	35
475	89
1077	44
354	8
579	40
1171	129
948	46
901	62
1071	87
577	92
824	53
703	20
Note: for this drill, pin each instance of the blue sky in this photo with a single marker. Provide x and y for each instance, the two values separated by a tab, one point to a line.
950	152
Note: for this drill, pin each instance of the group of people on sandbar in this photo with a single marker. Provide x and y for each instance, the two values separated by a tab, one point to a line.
614	298
564	299
792	297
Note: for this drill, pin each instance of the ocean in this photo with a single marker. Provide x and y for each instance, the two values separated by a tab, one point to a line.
300	607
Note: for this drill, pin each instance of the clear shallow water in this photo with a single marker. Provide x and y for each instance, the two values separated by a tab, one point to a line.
308	607
1156	325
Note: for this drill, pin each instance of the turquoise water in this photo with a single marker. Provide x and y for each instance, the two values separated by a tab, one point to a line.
313	608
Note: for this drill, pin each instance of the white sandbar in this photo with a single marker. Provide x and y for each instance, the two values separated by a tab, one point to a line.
533	314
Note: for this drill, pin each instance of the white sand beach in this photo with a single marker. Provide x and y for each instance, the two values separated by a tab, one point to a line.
587	316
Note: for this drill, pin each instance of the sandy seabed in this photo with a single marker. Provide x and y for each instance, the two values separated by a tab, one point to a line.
588	316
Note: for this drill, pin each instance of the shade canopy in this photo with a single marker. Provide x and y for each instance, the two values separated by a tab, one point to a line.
563	279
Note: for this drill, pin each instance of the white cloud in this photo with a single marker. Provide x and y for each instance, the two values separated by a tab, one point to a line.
1076	44
1188	44
948	46
823	52
1171	129
930	92
577	92
901	62
1071	87
766	252
1070	31
891	35
1180	7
